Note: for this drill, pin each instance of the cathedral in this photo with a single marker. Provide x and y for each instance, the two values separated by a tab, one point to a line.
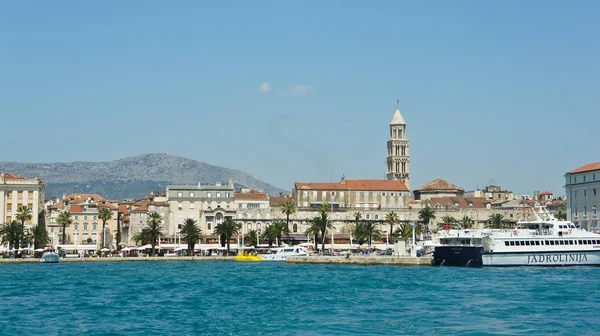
398	150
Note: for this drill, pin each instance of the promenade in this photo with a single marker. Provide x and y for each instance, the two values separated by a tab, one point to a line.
114	259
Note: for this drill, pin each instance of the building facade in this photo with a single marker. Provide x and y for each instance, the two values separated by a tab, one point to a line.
17	191
437	188
583	185
398	150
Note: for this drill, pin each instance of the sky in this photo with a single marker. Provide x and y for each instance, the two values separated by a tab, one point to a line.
492	91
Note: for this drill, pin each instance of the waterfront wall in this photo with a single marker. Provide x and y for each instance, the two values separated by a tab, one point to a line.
361	260
132	259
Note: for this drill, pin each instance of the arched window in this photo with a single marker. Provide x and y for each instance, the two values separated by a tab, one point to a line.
258	226
394	134
249	226
400	134
295	228
219	217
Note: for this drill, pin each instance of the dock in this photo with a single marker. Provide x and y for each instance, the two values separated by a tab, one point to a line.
363	260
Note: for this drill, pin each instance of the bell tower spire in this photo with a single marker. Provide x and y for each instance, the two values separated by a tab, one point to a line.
398	149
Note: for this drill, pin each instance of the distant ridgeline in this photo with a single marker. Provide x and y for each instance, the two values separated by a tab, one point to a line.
132	177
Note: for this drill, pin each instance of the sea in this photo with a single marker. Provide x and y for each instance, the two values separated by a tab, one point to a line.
233	298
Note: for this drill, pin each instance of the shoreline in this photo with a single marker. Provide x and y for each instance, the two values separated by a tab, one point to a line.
126	259
360	260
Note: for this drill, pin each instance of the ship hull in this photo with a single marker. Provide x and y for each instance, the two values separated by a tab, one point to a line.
549	258
457	256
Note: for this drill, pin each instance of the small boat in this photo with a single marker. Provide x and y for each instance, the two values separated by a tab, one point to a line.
250	258
50	257
281	254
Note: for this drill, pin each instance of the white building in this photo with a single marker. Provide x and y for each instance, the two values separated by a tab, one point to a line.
582	186
17	191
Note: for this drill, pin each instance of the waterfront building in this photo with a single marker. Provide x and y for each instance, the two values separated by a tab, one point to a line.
398	150
136	218
493	193
86	228
352	194
583	187
17	191
437	188
208	204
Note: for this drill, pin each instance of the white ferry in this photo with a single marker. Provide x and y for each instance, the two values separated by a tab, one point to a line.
281	254
542	242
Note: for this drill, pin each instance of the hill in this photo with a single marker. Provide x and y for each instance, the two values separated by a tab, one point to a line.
132	177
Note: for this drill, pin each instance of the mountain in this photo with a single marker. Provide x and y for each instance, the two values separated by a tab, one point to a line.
132	177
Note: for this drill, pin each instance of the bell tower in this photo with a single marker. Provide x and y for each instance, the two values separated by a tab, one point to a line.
398	150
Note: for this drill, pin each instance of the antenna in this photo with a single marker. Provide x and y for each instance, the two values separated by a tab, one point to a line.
397	103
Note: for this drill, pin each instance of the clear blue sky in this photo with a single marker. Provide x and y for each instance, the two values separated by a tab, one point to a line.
503	90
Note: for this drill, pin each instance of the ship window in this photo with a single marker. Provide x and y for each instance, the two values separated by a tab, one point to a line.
522	243
527	243
512	243
561	242
571	242
537	242
580	242
506	243
589	242
547	242
552	242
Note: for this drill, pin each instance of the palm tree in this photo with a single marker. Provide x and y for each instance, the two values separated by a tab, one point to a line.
40	236
392	218
153	230
449	220
426	215
190	232
496	221
314	229
288	208
12	233
404	230
357	217
226	230
561	215
368	231
278	229
466	222
141	237
270	234
105	215
323	223
64	219
23	214
251	238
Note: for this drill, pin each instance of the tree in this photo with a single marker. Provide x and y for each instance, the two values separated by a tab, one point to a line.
270	234
11	233
154	229
496	221
278	229
426	215
323	223
251	238
404	230
105	215
314	229
561	215
392	218
40	236
288	208
190	232
367	231
466	222
450	220
64	219
226	230
357	217
23	215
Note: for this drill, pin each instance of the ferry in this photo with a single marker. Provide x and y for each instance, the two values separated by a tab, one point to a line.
541	242
281	254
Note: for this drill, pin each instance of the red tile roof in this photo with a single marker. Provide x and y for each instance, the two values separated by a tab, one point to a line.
8	176
252	195
76	209
277	201
545	193
377	185
586	168
439	184
124	209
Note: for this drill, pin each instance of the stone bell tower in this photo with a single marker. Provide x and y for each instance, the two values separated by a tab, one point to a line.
398	150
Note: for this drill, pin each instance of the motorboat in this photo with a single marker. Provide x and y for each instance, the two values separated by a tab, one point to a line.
250	258
282	253
50	257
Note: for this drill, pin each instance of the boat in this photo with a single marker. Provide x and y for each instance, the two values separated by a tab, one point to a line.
544	241
459	248
281	254
250	258
50	257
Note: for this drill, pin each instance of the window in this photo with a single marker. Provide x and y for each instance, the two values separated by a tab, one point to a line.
575	194
191	194
585	211
85	227
594	191
593	177
575	211
341	194
295	228
95	217
305	193
584	193
179	194
191	205
383	194
84	218
208	226
512	243
226	194
574	179
180	206
392	194
527	243
218	195
324	194
537	242
305	204
94	227
76	227
594	210
315	193
76	217
368	216
376	216
333	193
506	243
584	178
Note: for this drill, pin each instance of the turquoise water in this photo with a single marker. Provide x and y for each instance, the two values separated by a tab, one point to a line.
215	298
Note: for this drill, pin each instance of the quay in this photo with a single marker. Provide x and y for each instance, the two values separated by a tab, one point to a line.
114	259
362	260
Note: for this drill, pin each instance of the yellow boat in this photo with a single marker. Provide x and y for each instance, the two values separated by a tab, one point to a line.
247	258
